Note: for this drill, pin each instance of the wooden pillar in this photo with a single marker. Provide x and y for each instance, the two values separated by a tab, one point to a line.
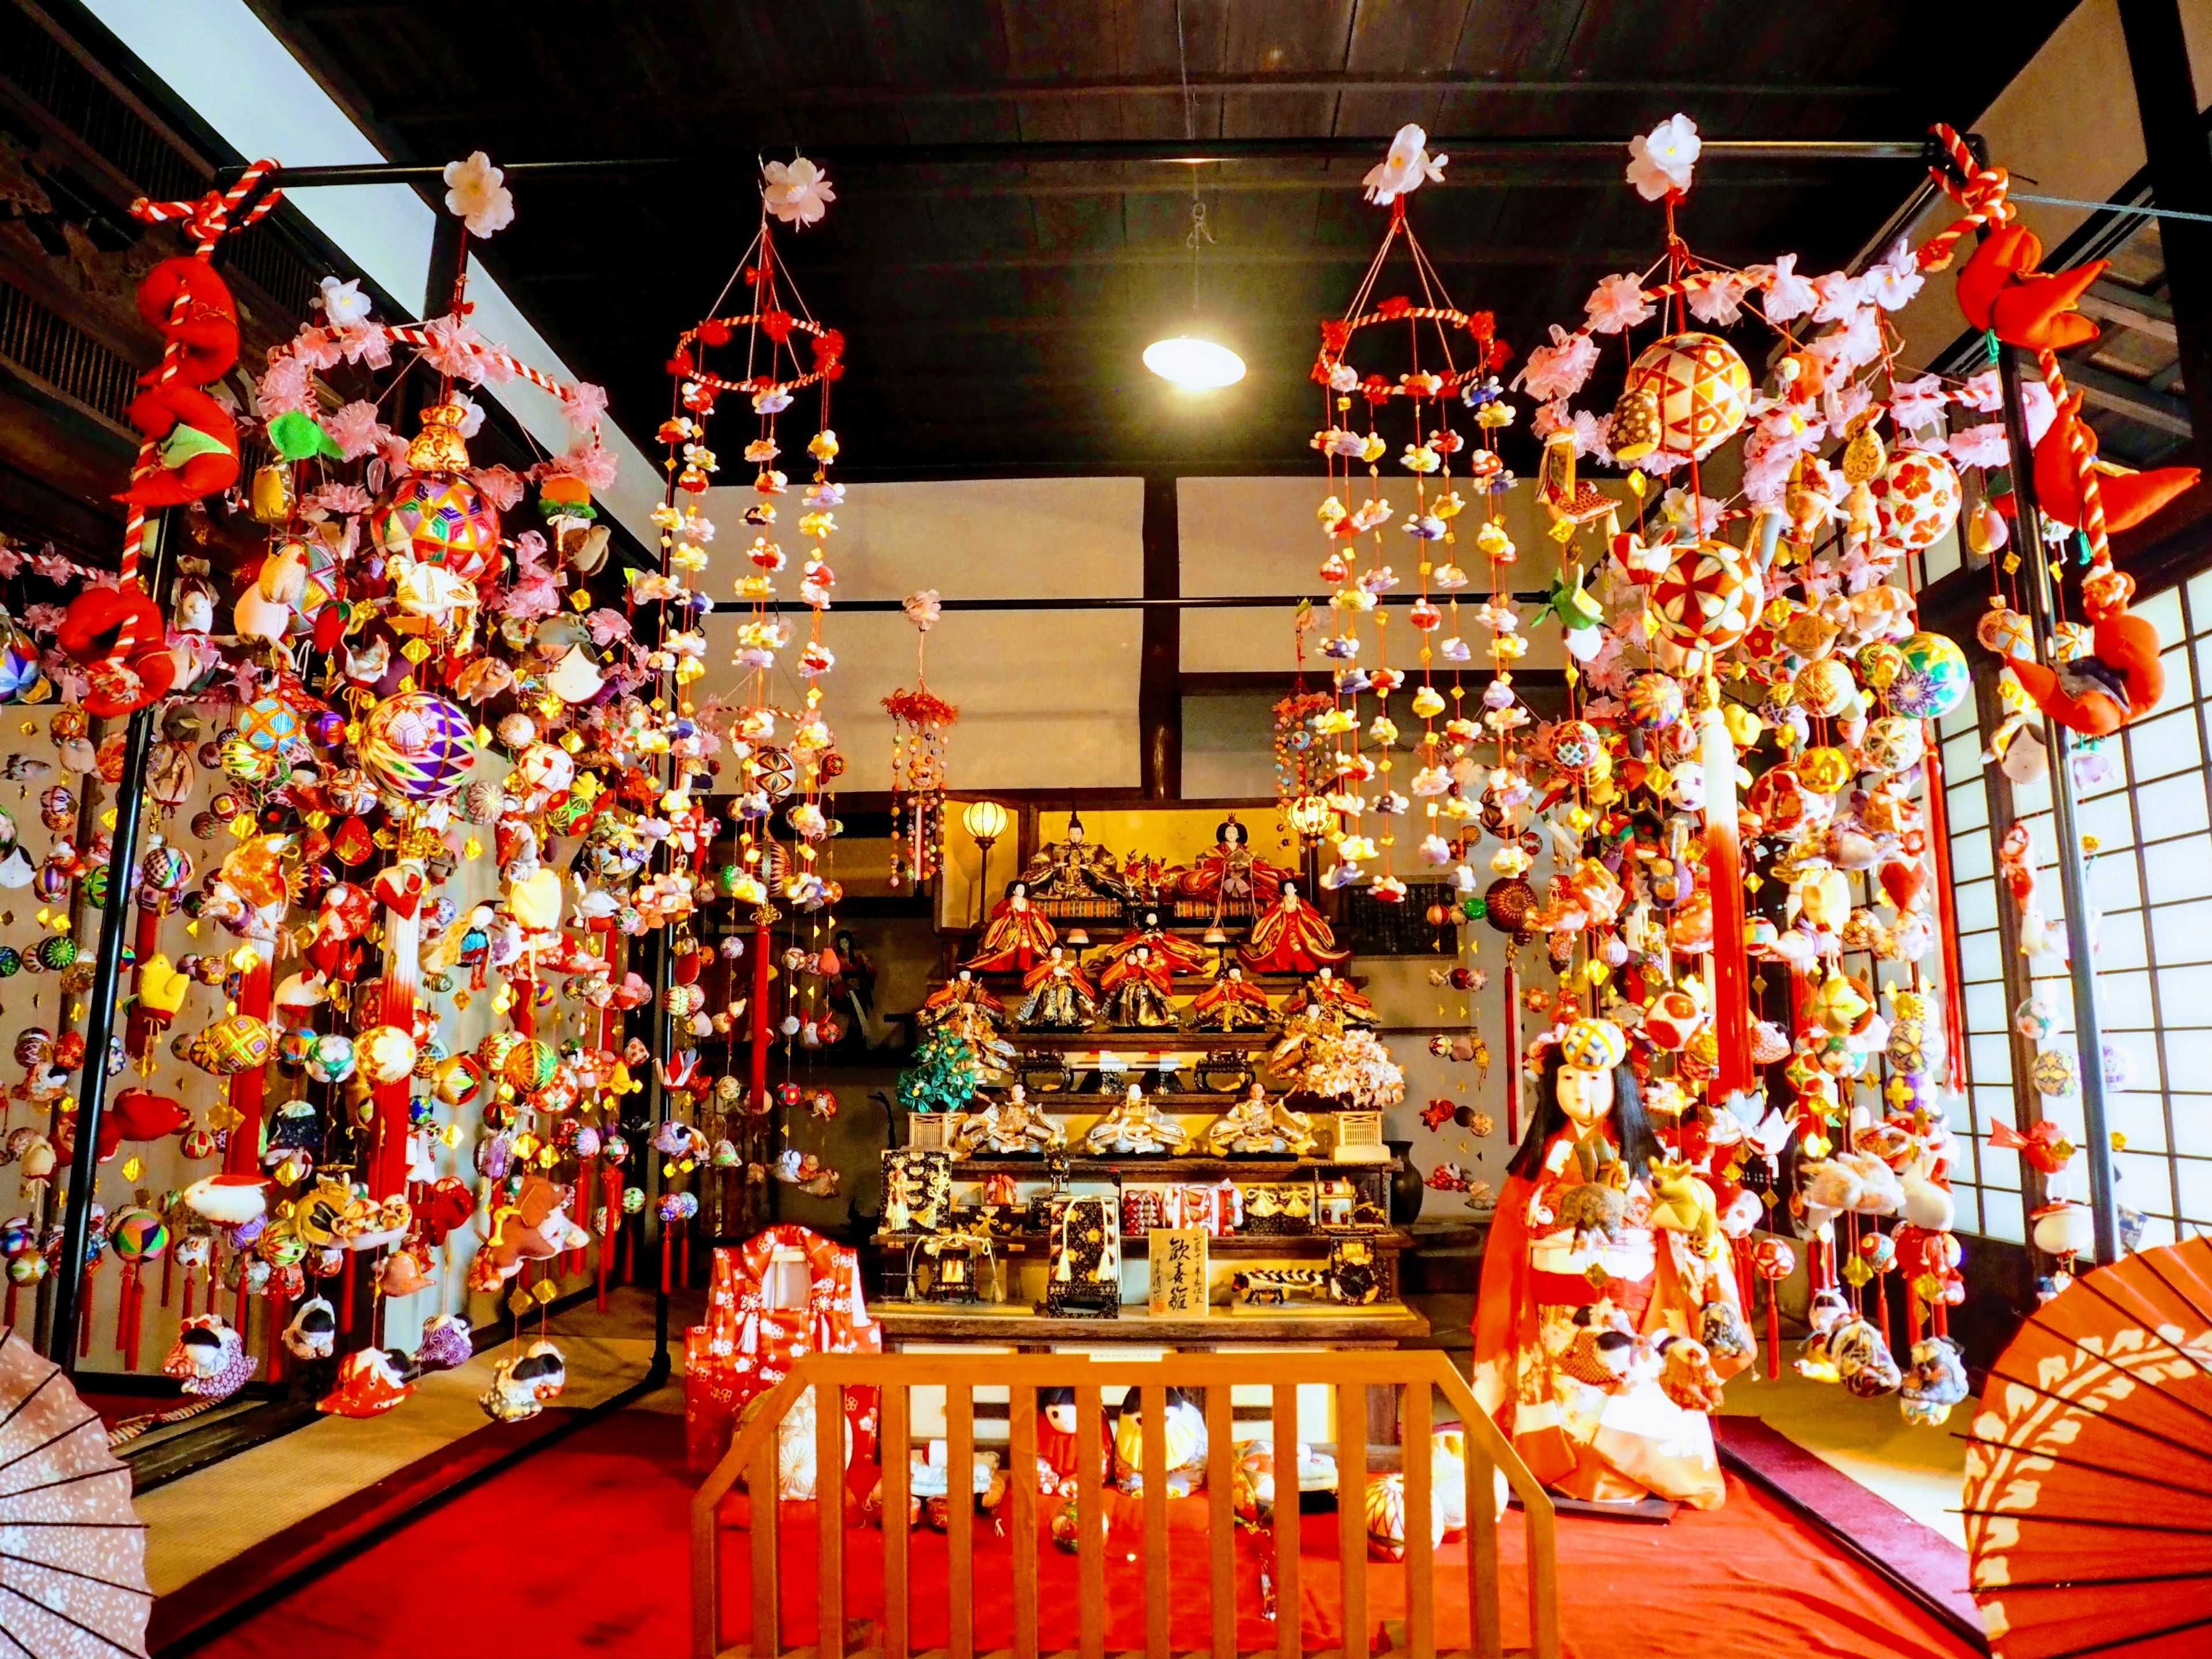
1159	687
2180	166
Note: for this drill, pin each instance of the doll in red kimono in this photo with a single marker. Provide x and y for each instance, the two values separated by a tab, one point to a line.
1587	1349
1290	937
1018	937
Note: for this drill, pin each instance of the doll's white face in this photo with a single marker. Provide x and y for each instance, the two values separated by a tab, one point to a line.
1585	1096
1061	1417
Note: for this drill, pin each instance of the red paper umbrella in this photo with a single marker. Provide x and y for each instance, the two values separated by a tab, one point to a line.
2088	1488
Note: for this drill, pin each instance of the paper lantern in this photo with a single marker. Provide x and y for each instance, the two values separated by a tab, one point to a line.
1706	598
437	518
1701	387
418	745
1932	680
1917	499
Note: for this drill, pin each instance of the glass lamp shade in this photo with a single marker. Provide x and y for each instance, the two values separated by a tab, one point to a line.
1194	364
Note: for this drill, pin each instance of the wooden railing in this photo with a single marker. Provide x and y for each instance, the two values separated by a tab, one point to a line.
753	1456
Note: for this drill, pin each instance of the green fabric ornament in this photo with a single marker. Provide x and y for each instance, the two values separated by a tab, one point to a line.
298	437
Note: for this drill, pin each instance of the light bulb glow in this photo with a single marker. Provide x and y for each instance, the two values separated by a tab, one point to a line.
1194	364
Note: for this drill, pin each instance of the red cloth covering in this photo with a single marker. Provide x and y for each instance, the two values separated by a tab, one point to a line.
746	1348
1749	1577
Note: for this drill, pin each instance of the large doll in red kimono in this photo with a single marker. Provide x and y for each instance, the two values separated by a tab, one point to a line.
1290	937
1592	1330
1019	937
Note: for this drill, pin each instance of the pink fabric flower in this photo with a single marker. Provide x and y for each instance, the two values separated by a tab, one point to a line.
529	551
1590	434
533	597
1844	403
11	559
606	626
342	499
1892	283
587	408
52	565
1560	370
1982	446
394	452
285	388
1787	294
314	347
503	486
357	429
452	348
1616	303
592	462
1984	392
1716	297
1916	403
43	619
1554	416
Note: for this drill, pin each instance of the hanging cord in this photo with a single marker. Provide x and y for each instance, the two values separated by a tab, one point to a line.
1200	232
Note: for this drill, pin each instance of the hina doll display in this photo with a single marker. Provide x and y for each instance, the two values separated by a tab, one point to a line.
1136	990
1072	869
1018	937
1256	1126
1009	1128
1136	1127
961	1002
1061	998
1232	1003
1332	995
1231	877
1290	937
1060	1449
1587	1349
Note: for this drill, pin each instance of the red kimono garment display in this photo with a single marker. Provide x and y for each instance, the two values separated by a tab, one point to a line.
1290	937
746	1347
1587	1350
1180	955
1231	877
1018	937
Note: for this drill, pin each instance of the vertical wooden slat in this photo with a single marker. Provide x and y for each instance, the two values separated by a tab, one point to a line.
1420	1538
1156	1521
1290	1633
1021	1408
760	1497
1090	1526
1487	1636
960	1522
829	1517
897	1418
1543	1580
1350	1509
1221	1519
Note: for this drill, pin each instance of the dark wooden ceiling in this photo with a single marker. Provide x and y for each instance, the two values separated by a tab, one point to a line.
996	312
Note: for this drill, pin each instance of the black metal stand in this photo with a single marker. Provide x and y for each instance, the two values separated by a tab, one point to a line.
103	1002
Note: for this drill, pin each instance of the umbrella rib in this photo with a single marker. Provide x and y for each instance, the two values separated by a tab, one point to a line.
16	1410
2101	1584
74	1624
2077	1463
89	1578
2076	1343
2183	1297
2102	1417
2133	1316
67	1480
2084	1521
2124	1642
52	1440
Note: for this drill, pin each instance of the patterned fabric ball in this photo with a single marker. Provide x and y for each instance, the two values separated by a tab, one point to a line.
322	584
240	1042
437	518
1702	388
530	1065
2006	632
1507	903
1655	702
1915	498
136	1234
2053	1072
1893	742
1577	748
270	726
1823	687
1880	664
418	745
1707	598
1824	768
1934	679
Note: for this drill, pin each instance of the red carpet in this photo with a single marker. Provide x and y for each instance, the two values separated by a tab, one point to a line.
582	1551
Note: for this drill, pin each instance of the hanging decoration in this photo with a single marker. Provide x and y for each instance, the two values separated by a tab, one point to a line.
920	722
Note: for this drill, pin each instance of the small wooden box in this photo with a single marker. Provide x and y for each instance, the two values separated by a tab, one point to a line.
931	1131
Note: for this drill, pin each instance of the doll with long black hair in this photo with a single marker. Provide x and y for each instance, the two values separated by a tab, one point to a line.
1586	1349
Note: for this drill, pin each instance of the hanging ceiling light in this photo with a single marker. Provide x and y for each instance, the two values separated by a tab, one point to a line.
1195	363
1189	359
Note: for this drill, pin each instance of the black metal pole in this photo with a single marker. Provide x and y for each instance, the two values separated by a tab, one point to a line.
105	998
2073	880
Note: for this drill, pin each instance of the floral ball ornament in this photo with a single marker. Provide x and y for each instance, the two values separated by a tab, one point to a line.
2035	1019
418	745
2054	1072
385	1054
1917	499
1707	598
1823	688
1934	679
1702	389
1894	744
433	515
1577	748
1654	702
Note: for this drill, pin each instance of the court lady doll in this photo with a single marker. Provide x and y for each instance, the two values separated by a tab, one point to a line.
1018	937
1585	1334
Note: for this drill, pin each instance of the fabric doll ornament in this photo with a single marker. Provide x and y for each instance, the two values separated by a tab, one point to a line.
370	1383
2120	680
313	1330
1185	1433
210	1359
2127	498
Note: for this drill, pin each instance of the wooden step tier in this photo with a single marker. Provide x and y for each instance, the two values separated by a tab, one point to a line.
1228	1244
1182	1170
1007	987
1137	1042
1385	1324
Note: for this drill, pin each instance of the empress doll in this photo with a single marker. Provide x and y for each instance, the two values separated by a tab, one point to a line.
1231	877
1588	1347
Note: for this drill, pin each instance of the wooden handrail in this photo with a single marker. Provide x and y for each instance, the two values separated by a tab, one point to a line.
753	1455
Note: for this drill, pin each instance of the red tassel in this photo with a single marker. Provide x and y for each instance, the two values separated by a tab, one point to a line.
1773	1329
168	1272
1946	915
277	1300
185	1312
687	1254
345	1296
1724	876
12	1288
667	1253
629	1254
243	1154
